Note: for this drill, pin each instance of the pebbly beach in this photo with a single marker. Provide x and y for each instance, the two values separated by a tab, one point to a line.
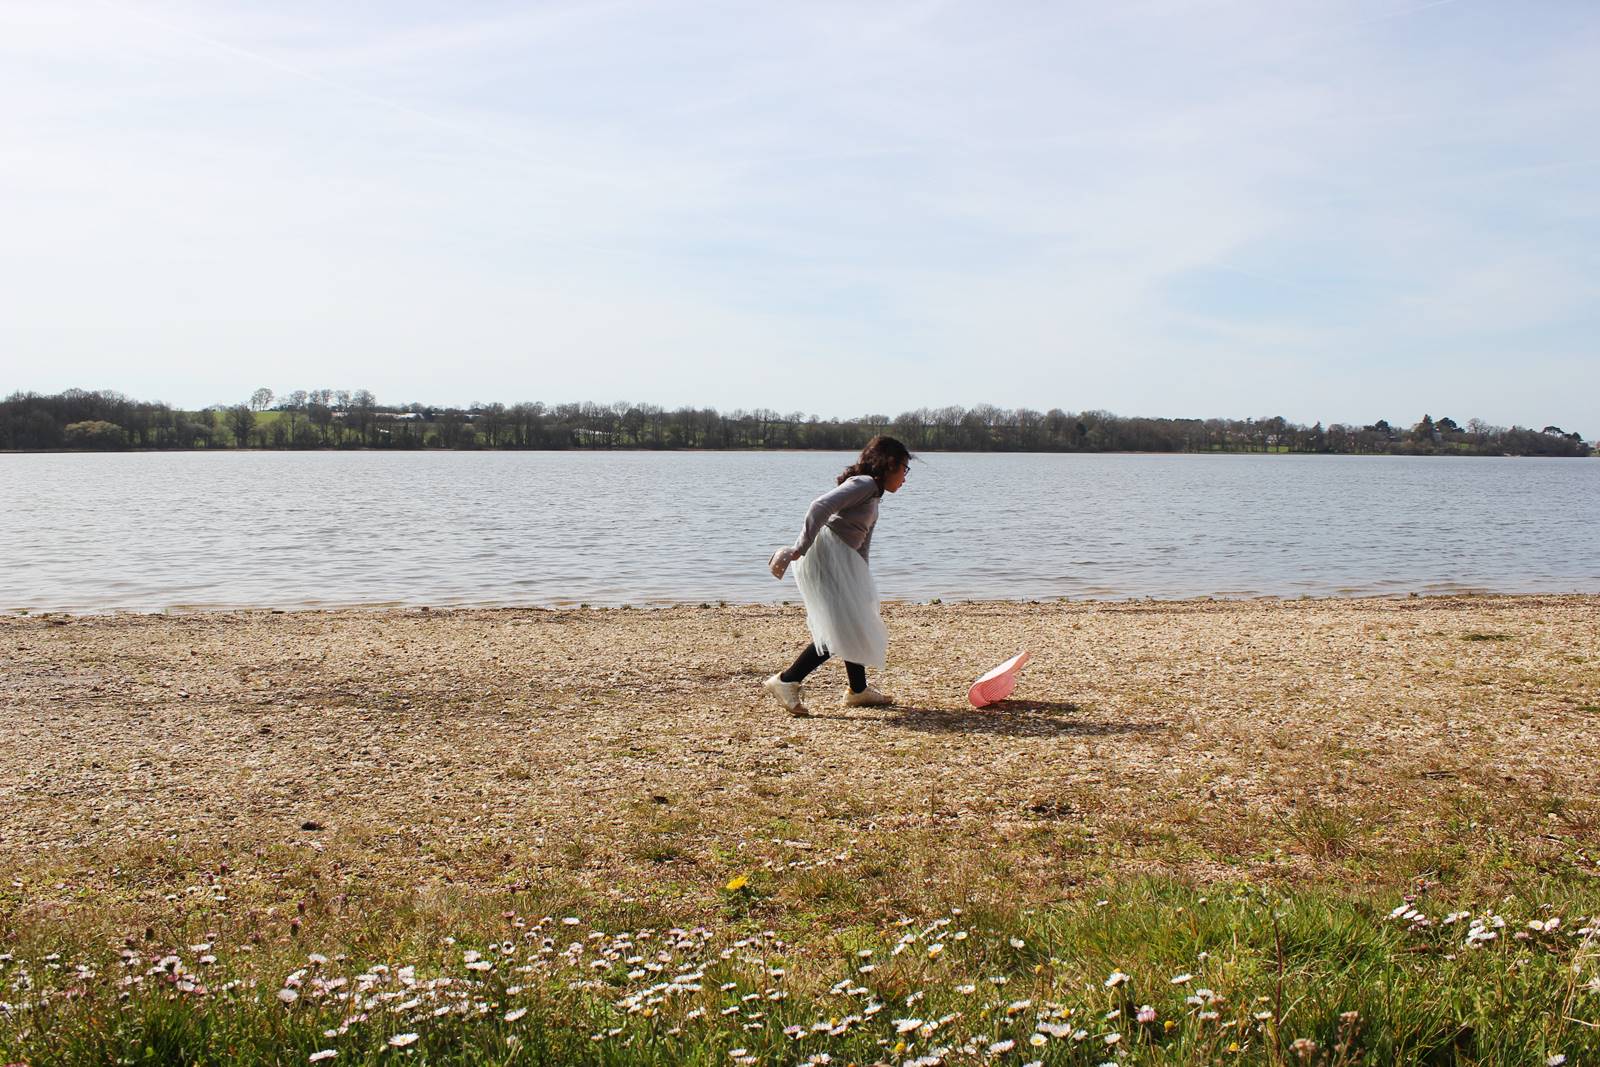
487	734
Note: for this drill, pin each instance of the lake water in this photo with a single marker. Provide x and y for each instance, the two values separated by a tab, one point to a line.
101	532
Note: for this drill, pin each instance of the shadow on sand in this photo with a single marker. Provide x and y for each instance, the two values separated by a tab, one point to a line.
1012	718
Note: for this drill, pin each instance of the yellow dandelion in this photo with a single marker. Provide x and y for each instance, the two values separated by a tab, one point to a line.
736	884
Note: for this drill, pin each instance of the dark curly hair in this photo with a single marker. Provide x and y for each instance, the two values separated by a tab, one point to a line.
880	459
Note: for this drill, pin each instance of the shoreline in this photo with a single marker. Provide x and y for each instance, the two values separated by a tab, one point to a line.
379	607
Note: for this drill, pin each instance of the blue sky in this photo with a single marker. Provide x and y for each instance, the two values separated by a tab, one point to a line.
1337	211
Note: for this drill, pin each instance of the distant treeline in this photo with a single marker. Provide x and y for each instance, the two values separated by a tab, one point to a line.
326	418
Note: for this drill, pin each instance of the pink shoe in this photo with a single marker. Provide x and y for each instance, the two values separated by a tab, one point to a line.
998	683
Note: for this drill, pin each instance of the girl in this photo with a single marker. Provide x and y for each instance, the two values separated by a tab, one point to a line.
830	560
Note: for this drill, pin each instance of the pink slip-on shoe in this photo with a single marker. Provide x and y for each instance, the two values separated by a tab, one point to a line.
998	683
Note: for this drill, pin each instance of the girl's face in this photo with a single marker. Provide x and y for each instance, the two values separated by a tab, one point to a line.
896	479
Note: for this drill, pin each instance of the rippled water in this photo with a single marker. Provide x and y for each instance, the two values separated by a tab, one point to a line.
196	530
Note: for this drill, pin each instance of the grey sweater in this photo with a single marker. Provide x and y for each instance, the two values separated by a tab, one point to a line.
850	511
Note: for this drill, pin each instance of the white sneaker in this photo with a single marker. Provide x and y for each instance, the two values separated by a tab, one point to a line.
867	698
787	694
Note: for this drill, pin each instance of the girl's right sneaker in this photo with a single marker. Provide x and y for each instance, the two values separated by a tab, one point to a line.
787	694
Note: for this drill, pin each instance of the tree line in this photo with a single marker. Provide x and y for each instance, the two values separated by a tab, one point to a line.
325	418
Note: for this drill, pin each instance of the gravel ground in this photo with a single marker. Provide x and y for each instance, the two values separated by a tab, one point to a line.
486	748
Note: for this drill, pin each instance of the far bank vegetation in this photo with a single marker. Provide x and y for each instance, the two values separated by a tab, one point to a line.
326	418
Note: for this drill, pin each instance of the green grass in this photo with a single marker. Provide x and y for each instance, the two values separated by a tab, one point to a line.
498	982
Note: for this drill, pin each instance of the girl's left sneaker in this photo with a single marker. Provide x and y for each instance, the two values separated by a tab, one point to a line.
867	698
787	694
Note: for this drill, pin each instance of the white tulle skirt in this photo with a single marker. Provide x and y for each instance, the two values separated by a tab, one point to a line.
841	602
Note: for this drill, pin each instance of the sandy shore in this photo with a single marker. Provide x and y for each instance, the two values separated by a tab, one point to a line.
617	747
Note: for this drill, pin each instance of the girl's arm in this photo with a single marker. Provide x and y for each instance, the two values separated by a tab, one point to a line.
853	491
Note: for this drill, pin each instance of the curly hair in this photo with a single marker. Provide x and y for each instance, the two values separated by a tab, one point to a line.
882	456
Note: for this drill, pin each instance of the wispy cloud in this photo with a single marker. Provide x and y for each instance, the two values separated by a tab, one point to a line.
1169	206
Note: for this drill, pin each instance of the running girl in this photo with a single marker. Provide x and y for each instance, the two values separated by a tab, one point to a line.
830	561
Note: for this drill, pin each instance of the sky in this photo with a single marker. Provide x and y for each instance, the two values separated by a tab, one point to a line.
1335	211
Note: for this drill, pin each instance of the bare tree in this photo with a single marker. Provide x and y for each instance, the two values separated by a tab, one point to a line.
492	421
363	406
321	416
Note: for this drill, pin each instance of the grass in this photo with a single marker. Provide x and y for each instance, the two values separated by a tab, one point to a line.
1153	971
1473	943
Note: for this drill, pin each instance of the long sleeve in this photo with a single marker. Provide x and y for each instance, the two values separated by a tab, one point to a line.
853	491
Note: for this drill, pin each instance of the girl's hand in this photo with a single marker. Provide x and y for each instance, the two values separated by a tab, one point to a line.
780	561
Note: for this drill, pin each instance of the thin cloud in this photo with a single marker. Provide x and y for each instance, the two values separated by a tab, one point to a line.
848	210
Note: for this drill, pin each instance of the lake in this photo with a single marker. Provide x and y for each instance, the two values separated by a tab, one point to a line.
195	530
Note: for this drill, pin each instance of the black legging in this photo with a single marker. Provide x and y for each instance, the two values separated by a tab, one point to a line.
810	659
